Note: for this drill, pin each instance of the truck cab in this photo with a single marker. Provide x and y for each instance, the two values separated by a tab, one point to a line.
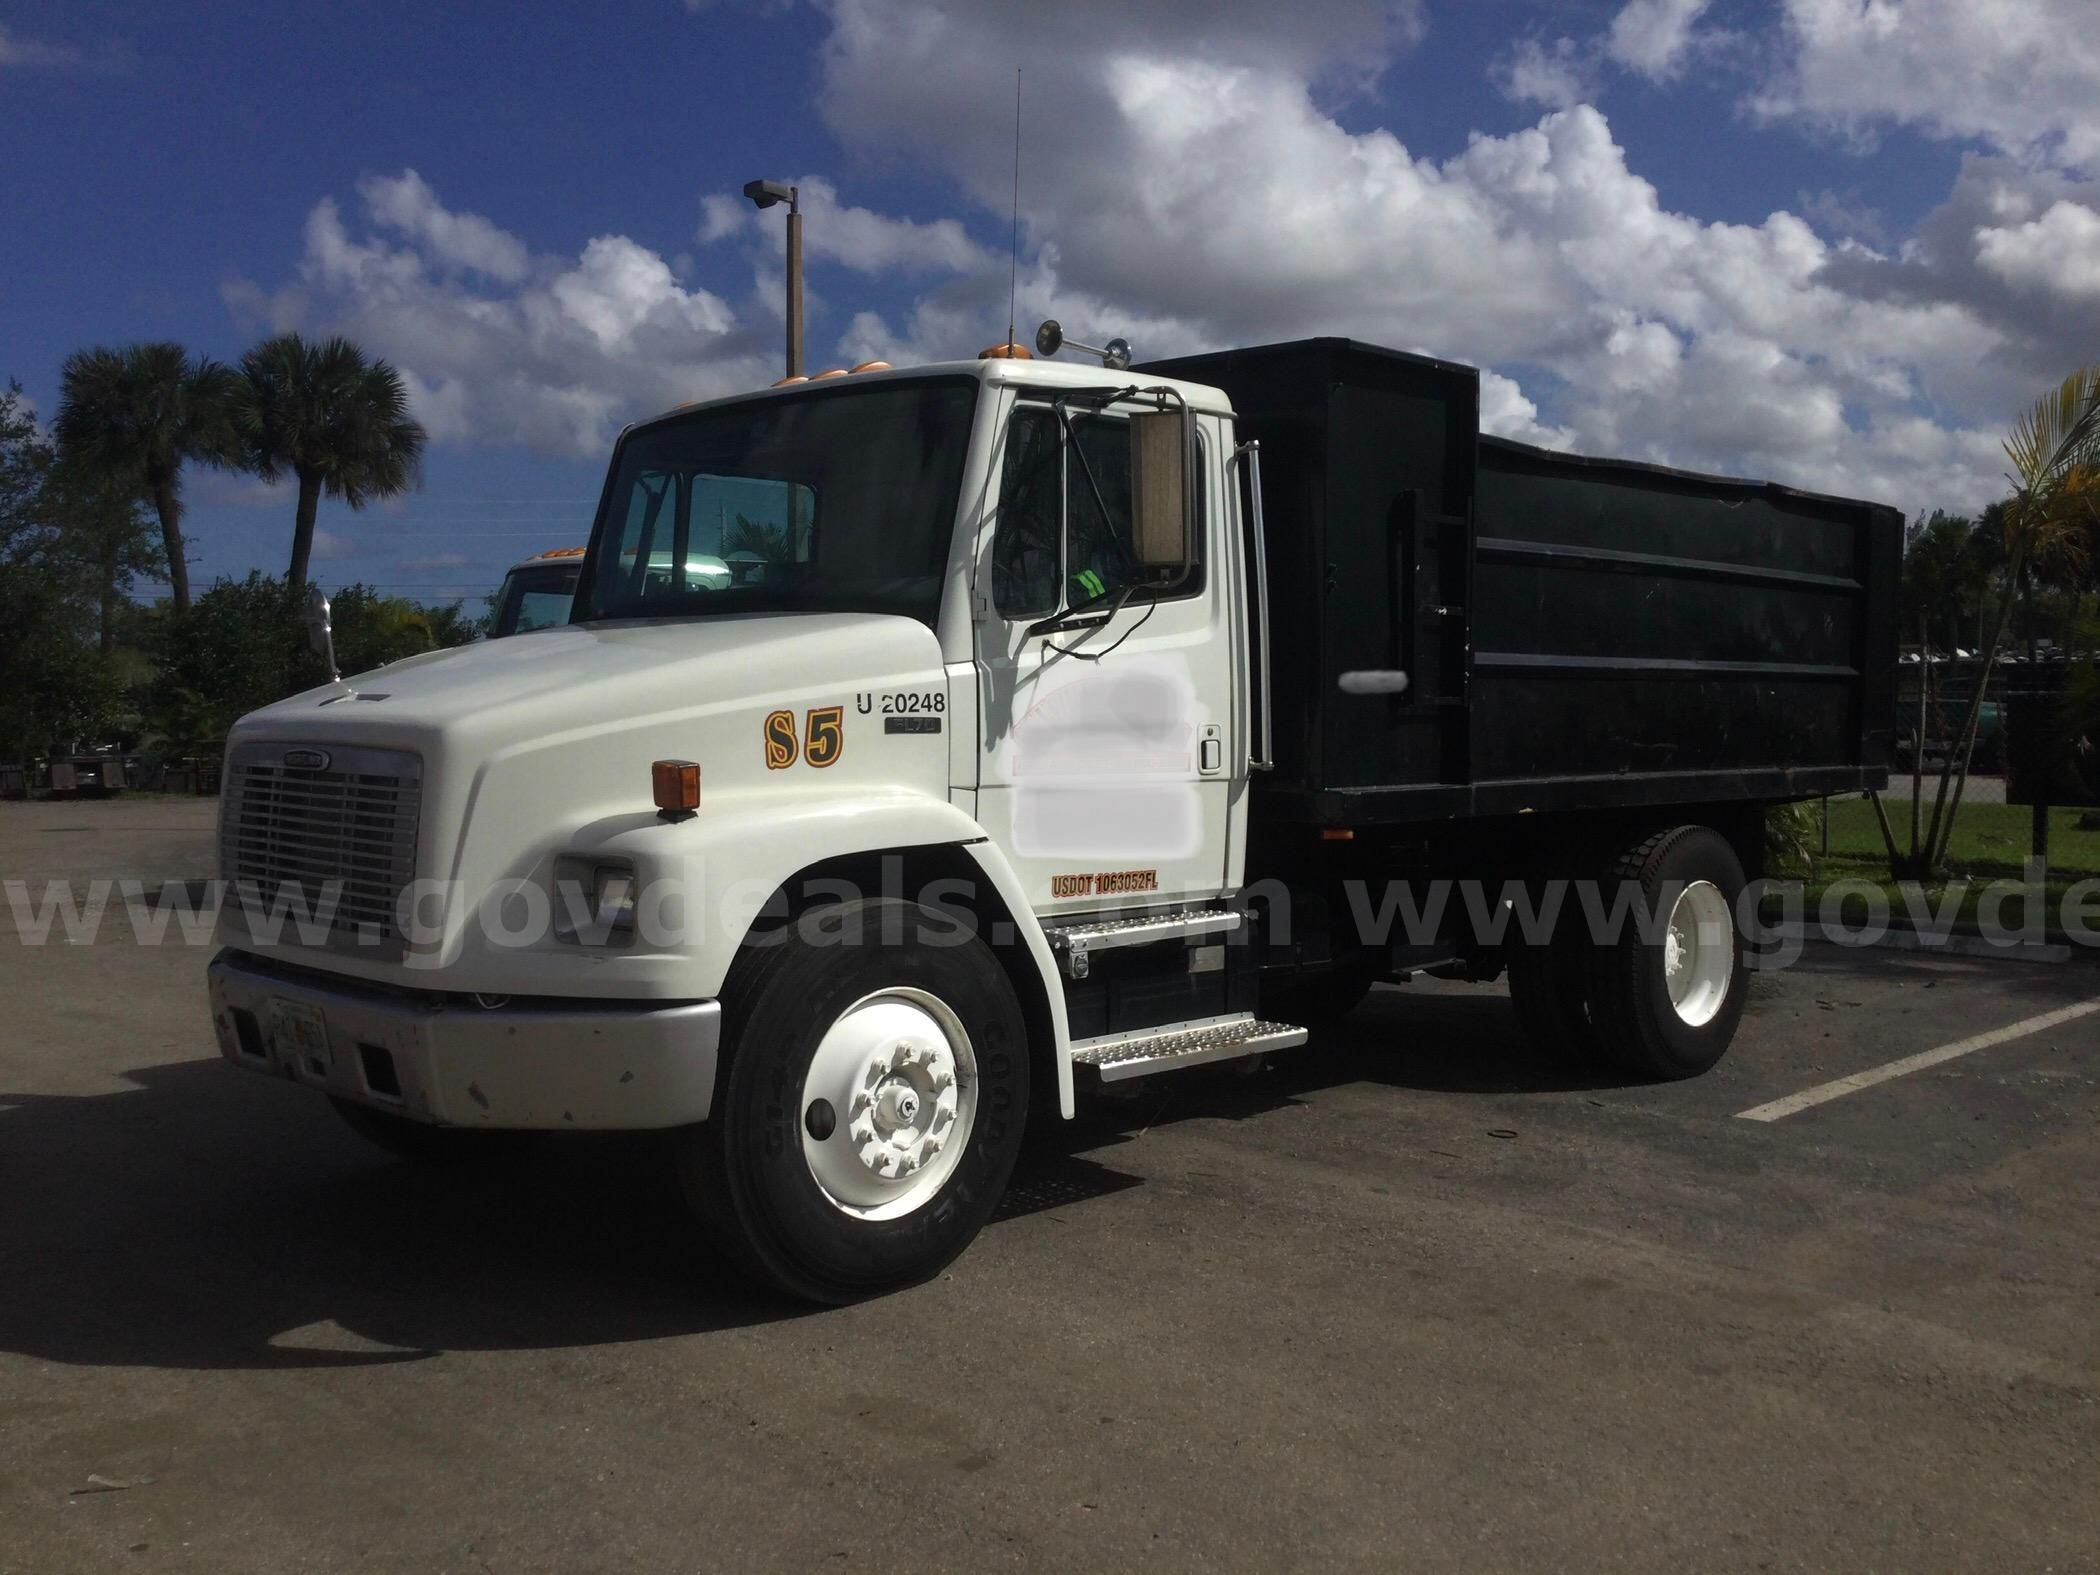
977	671
537	593
904	763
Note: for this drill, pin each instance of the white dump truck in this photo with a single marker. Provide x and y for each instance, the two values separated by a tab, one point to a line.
991	744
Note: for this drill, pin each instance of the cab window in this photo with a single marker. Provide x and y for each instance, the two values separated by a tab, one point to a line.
1064	529
836	499
1028	545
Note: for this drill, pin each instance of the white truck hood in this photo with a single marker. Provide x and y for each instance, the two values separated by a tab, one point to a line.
538	747
601	677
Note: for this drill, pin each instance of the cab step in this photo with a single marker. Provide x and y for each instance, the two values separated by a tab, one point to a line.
1072	942
1148	1050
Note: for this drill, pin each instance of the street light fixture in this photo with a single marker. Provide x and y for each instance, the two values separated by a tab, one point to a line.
766	193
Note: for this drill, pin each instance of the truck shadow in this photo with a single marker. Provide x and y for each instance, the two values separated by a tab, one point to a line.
206	1219
1449	1041
203	1218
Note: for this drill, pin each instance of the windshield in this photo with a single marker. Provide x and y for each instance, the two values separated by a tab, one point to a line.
839	501
534	596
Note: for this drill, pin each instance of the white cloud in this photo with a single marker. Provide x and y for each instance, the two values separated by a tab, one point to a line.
1194	195
498	345
1201	198
405	203
331	548
18	53
442	560
233	489
1654	37
1556	75
2057	253
1505	412
838	232
2022	76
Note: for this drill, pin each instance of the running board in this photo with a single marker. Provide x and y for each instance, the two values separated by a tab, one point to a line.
1072	942
1148	1050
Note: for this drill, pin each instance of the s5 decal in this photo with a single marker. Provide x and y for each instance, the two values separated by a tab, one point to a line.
780	740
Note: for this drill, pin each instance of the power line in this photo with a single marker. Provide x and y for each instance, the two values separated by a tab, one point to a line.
439	530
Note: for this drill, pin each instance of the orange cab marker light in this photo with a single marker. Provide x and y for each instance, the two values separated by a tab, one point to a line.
1337	834
873	366
676	784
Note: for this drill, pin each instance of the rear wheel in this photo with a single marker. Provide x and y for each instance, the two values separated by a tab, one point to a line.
872	1106
1668	992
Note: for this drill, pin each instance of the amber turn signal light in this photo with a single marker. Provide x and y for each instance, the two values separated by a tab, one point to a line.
676	784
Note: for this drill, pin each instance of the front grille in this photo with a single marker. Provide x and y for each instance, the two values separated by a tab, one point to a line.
328	845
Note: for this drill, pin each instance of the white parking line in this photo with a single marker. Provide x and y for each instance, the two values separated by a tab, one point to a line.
1823	1092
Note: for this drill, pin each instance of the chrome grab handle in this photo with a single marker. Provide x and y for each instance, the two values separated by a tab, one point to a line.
1250	451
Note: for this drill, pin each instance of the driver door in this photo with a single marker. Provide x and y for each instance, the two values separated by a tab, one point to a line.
1105	696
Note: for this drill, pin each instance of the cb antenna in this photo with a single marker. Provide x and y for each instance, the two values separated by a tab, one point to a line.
1013	266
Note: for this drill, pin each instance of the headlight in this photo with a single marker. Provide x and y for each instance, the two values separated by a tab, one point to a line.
594	901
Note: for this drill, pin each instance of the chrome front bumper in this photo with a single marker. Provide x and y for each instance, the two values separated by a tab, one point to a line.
559	1068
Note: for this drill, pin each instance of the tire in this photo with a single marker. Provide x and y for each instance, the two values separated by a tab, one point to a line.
1666	1005
858	1009
1549	985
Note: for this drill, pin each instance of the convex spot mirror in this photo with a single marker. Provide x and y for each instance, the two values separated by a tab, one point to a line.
1160	488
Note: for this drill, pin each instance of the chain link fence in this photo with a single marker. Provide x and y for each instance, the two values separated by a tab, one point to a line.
2033	787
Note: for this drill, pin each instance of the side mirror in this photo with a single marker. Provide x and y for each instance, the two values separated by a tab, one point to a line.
1160	491
320	632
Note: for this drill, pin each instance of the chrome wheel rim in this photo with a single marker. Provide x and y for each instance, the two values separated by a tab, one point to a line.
1699	953
888	1103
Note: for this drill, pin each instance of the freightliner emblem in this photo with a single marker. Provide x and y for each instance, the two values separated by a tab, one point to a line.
306	759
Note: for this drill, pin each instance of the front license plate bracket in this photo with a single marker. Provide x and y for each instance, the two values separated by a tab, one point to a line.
299	1033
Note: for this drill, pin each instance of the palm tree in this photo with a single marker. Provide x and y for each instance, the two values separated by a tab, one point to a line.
131	416
334	420
105	540
2055	453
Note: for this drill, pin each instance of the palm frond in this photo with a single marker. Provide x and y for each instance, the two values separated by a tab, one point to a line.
326	412
2057	432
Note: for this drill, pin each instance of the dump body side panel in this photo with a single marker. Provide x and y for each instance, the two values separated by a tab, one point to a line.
1631	621
1576	633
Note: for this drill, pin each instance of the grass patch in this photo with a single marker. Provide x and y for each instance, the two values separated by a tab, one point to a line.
1989	840
1990	844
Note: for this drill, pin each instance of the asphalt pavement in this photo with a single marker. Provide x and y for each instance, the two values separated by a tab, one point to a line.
1406	1298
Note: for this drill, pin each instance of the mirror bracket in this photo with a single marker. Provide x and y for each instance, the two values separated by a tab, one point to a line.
320	631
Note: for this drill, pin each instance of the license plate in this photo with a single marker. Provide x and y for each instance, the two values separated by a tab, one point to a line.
300	1034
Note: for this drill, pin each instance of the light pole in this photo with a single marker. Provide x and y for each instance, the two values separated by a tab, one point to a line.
765	193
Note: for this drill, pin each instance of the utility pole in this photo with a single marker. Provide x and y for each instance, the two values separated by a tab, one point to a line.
765	193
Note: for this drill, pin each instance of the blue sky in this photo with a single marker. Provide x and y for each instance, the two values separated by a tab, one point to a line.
1822	239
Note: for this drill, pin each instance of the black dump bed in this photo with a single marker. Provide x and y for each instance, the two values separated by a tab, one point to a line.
1574	632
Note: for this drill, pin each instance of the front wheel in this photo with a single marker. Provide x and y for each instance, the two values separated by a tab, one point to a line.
872	1106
